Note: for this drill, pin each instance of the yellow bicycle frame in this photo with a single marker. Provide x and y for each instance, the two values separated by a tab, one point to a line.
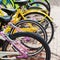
16	19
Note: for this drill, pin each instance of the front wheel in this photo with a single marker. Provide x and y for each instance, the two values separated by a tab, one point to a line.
45	53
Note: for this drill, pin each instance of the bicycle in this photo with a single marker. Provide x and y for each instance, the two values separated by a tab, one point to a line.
11	41
44	17
31	28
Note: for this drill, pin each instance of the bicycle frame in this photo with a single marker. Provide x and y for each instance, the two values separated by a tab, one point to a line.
20	50
20	14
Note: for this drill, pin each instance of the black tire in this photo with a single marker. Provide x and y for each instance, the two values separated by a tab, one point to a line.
34	22
46	19
48	4
34	7
41	3
33	35
37	24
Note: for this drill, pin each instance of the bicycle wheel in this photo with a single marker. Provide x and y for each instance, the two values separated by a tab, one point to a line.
20	35
44	20
38	28
42	5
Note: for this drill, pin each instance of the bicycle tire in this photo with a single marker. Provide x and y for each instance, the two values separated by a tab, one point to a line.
45	45
48	19
41	3
48	4
34	22
38	9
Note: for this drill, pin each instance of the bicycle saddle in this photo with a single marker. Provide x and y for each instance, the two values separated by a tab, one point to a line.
5	19
9	11
21	2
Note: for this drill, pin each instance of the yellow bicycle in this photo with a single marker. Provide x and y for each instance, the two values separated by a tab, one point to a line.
32	14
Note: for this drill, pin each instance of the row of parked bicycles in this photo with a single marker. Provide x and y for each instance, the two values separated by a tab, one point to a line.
26	31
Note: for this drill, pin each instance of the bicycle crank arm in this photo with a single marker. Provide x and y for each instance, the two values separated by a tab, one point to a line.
4	53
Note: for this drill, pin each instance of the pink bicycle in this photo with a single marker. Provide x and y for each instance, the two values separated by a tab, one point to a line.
13	48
